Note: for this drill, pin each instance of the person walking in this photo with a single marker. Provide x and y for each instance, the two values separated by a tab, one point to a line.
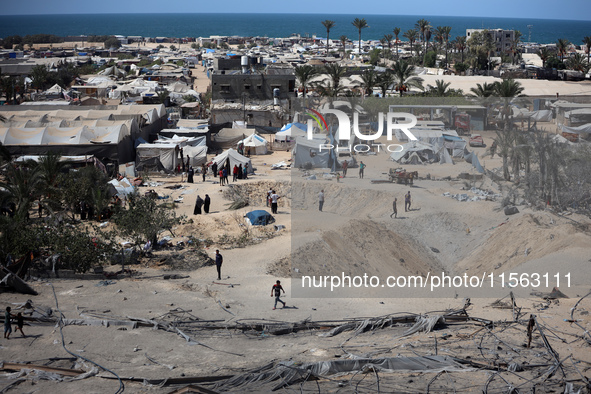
239	172
274	199
183	162
320	200
225	173
7	326
269	196
361	169
190	174
234	173
206	203
214	169
198	205
345	165
407	202
395	213
218	263
276	291
221	174
245	173
203	171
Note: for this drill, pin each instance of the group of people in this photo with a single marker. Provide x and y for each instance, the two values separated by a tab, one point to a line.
240	172
202	203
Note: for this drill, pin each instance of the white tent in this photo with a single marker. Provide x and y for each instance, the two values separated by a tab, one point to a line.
197	154
166	153
234	157
415	150
123	188
307	153
257	145
290	132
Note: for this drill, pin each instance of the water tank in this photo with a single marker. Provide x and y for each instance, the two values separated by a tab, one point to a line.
244	63
276	93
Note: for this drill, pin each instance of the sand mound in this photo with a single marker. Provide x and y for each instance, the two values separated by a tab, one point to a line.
362	247
522	239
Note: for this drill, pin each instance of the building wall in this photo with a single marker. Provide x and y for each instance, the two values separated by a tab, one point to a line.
254	86
502	38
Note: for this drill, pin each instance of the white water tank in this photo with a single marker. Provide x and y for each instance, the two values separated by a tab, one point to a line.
244	64
276	95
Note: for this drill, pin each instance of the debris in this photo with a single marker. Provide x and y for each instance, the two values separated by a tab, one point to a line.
511	210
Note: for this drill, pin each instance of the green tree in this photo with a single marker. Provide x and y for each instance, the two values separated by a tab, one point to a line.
328	24
404	76
304	74
562	45
484	90
441	88
388	40
481	45
360	24
411	35
460	44
112	42
384	81
369	79
22	185
577	62
333	87
39	75
145	219
423	26
396	32
544	53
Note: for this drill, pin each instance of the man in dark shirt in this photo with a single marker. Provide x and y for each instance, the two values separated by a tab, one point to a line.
276	291
218	263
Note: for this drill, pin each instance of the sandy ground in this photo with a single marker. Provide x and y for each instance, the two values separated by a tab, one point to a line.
353	234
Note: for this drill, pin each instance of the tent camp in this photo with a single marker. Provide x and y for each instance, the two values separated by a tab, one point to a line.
228	138
234	158
122	188
291	131
255	144
259	218
415	152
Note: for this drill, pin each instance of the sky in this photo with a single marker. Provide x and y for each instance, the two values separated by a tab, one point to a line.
536	9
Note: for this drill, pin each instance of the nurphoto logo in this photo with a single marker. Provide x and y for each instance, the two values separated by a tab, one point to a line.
394	121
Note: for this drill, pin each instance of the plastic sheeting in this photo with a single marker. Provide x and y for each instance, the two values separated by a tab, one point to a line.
471	158
288	373
234	157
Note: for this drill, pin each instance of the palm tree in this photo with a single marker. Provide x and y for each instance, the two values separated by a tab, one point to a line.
388	38
587	42
446	33
427	38
22	184
411	35
343	40
484	90
333	87
328	24
360	24
404	76
461	45
544	53
304	75
562	44
396	32
384	81
369	78
577	62
439	35
508	90
50	166
422	26
440	89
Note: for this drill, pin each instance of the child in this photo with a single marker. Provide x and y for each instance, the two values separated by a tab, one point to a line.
276	290
20	322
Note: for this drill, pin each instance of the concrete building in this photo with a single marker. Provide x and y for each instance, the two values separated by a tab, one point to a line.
502	38
234	86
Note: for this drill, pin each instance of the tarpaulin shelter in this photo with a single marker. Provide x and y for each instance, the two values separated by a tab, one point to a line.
232	157
259	218
123	188
168	154
415	152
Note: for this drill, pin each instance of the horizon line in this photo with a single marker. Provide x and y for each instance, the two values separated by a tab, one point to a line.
291	13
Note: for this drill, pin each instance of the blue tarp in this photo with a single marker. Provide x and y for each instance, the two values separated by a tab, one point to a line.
298	125
260	217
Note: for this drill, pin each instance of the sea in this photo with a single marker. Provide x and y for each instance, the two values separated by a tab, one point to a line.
542	31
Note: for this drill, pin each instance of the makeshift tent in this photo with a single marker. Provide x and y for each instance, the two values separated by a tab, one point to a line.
259	218
197	154
181	141
256	143
415	152
123	188
234	158
307	153
473	159
168	154
228	138
291	131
